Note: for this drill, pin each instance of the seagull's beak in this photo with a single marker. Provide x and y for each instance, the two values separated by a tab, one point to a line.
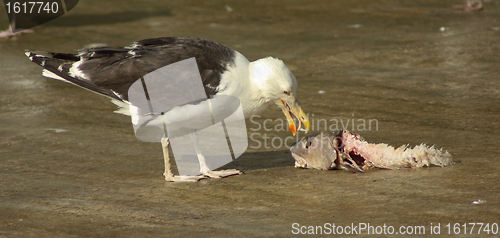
296	110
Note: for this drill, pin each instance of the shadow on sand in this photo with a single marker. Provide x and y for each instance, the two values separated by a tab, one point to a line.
261	160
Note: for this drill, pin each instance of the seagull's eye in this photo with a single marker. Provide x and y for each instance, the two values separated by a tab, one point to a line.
286	92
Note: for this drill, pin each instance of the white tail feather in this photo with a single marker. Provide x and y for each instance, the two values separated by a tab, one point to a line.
51	75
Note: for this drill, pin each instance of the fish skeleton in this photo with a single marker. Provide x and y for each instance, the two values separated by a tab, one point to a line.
345	150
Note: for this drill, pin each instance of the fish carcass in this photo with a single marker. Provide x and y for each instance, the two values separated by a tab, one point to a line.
345	150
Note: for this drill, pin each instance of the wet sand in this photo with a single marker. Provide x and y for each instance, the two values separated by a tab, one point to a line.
425	72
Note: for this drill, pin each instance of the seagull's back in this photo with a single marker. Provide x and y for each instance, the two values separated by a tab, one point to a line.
110	71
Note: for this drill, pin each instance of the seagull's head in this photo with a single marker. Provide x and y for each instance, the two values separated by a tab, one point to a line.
278	84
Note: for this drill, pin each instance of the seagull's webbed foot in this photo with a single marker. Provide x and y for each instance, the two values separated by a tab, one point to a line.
207	175
222	173
177	178
9	33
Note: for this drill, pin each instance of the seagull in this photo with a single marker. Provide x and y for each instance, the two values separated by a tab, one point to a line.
110	72
12	31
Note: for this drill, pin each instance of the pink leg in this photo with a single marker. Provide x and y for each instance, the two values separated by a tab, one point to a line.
10	31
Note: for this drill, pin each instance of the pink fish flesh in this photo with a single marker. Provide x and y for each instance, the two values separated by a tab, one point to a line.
346	150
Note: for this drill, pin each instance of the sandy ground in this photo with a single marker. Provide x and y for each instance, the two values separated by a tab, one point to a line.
423	71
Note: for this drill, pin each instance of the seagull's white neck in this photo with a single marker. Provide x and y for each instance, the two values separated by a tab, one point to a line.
244	81
259	77
257	84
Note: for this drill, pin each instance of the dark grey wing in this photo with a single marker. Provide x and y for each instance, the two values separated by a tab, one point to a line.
110	71
59	64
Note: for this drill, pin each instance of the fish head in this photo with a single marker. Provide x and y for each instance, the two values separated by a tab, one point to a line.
316	151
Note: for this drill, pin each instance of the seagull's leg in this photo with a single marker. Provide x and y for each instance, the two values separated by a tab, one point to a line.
169	175
201	159
165	142
204	169
7	33
10	31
